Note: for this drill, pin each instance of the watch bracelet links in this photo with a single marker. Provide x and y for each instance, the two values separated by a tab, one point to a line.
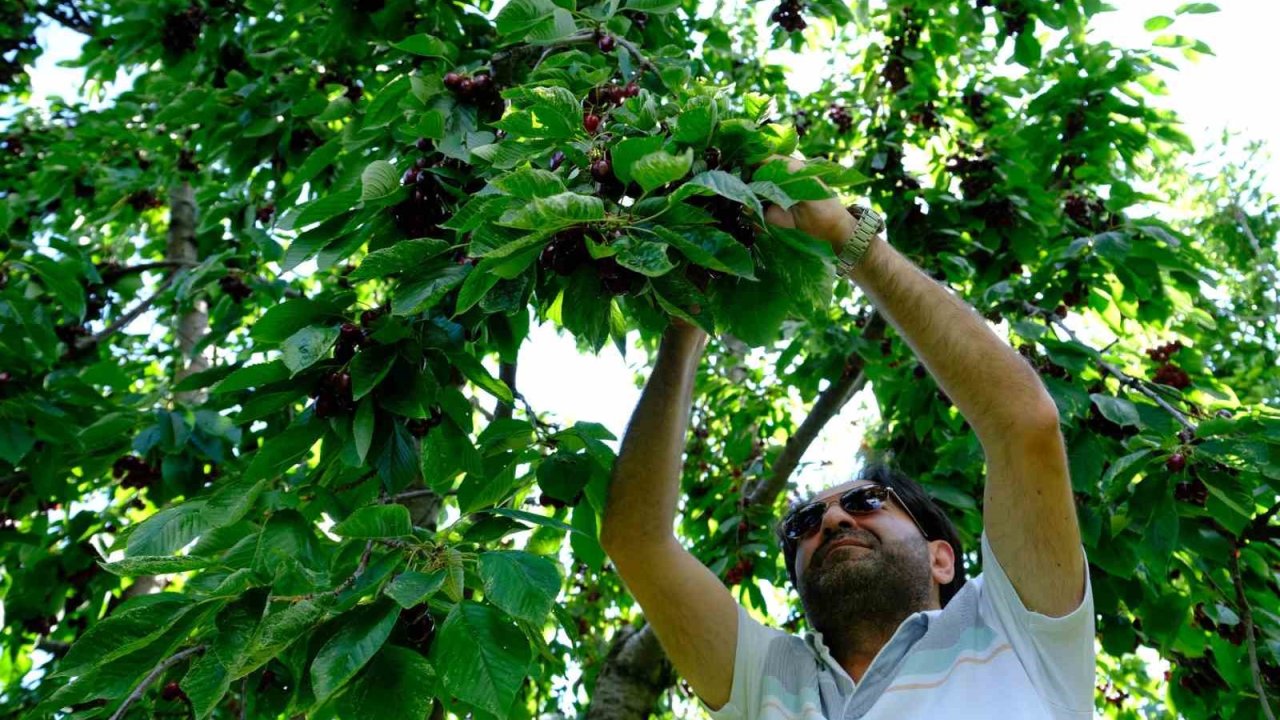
869	223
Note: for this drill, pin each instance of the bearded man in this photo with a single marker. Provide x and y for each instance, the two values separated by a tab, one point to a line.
898	632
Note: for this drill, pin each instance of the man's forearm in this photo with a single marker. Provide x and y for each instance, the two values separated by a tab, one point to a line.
646	476
994	388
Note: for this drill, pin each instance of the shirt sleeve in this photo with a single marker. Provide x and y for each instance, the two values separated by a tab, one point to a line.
1058	653
745	699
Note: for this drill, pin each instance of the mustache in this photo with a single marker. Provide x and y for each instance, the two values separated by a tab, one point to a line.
863	539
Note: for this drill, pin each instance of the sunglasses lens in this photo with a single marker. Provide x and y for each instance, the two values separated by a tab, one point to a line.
865	499
805	520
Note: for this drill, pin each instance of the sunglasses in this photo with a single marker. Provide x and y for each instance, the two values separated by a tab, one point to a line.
862	500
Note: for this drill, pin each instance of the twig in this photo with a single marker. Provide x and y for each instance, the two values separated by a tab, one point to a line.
87	342
507	374
407	496
1246	614
151	677
1124	378
631	48
244	697
1258	527
113	274
69	16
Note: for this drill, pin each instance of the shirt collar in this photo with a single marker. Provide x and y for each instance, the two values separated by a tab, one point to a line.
909	631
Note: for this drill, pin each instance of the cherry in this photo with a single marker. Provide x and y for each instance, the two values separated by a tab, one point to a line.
265	213
453	81
172	691
419	627
591	123
423	144
606	43
466	86
1176	462
601	170
480	82
640	19
410	177
919	371
557	159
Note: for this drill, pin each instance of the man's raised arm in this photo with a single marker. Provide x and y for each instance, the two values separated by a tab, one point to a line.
1028	511
690	610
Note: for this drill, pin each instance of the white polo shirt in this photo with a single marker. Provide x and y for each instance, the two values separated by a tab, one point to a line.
982	656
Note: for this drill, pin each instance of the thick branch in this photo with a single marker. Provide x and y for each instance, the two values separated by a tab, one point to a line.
1246	615
1124	378
128	317
151	677
827	406
68	15
115	273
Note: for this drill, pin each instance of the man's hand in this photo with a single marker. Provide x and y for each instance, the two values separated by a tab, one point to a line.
823	219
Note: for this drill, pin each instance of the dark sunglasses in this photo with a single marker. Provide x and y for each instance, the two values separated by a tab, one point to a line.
862	500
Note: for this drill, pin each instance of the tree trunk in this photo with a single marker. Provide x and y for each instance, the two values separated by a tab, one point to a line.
192	326
635	675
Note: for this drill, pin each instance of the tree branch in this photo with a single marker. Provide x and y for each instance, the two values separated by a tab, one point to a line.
1124	378
123	320
1258	528
151	677
507	374
115	273
67	15
1246	614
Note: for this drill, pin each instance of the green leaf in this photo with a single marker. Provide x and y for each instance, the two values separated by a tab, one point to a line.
1198	8
279	452
278	631
555	212
1117	410
361	633
657	169
167	531
681	298
307	347
628	151
426	46
253	376
205	683
483	658
59	280
410	589
146	565
564	475
518	16
1157	23
474	371
710	248
530	183
401	257
723	184
520	583
290	316
397	683
1026	49
644	256
414	296
368	368
326	207
376	521
362	428
657	7
379	180
1116	478
398	464
132	626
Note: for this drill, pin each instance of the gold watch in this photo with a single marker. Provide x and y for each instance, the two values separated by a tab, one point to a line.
868	224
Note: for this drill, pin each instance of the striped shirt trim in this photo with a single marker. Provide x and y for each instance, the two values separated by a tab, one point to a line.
959	661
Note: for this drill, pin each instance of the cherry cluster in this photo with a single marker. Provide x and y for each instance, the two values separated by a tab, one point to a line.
421	214
69	334
182	29
350	338
839	115
133	472
172	692
730	217
617	280
1162	353
333	395
141	200
640	20
1173	376
40	625
1098	423
566	251
739	571
419	627
419	427
264	214
977	174
1088	212
1043	364
787	16
235	286
94	302
602	96
1194	492
1078	293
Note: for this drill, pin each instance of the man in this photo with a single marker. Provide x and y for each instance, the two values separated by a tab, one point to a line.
898	632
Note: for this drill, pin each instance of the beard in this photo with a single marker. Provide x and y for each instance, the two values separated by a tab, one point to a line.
854	595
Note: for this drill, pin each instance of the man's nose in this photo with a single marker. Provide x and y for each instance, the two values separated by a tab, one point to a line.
837	521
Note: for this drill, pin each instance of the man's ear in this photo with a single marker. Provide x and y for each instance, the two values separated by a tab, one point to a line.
942	561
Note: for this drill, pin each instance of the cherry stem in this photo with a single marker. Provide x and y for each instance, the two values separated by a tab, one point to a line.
1125	379
151	677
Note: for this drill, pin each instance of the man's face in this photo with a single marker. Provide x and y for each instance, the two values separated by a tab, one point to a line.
874	564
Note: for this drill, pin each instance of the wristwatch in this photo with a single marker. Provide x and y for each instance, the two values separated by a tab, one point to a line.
868	223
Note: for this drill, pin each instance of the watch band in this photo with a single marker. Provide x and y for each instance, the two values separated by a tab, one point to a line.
868	224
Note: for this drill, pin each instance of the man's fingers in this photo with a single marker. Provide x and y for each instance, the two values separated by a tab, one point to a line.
777	216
